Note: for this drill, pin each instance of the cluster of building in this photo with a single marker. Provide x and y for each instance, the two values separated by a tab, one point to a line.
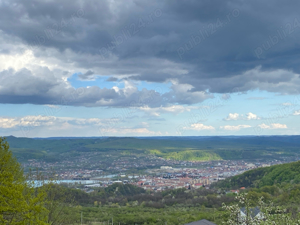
160	184
155	173
192	178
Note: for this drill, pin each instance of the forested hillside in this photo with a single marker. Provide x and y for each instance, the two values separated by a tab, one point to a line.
267	176
178	148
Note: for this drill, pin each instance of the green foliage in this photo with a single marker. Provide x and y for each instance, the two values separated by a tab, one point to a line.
20	203
123	189
59	203
129	195
129	204
257	213
151	216
267	176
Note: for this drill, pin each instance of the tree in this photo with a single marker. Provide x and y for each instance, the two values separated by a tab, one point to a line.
60	204
59	200
20	202
269	213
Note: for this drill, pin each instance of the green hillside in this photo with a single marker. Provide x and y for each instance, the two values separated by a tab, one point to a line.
187	155
267	176
178	148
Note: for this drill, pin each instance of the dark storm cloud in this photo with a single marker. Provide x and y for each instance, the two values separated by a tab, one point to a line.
88	75
112	79
206	46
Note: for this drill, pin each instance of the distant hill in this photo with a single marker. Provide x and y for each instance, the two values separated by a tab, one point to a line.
267	176
178	148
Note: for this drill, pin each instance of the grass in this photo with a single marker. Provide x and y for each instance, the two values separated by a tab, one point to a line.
187	155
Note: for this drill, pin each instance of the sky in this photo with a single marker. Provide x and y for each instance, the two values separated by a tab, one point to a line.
149	68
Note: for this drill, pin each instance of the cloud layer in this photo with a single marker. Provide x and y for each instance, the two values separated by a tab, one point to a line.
199	126
234	128
273	126
200	48
236	116
39	121
31	125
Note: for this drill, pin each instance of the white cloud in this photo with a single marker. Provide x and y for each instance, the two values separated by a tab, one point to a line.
232	116
128	131
296	113
264	126
33	121
287	104
252	116
278	126
233	128
38	121
273	126
199	126
8	123
32	125
53	106
236	116
175	109
79	121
